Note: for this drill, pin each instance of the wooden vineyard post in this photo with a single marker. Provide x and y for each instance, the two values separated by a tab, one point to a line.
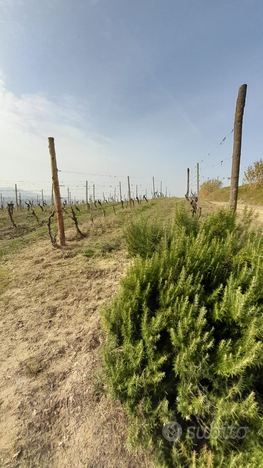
87	195
120	191
129	190
153	189
197	181
240	105
61	232
16	196
187	184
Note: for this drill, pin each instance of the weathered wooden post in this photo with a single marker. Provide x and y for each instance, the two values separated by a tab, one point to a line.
240	105
16	196
61	232
187	183
129	191
197	181
87	194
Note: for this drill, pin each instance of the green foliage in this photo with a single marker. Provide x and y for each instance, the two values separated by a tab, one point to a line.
209	186
254	174
143	237
184	341
89	253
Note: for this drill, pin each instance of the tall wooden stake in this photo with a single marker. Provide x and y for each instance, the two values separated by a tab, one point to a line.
120	190
129	191
42	193
240	105
197	181
153	189
87	194
187	183
61	232
16	197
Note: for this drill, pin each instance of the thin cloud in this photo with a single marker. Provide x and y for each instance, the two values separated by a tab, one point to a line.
26	123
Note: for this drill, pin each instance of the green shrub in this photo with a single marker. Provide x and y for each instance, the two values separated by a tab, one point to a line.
143	237
184	342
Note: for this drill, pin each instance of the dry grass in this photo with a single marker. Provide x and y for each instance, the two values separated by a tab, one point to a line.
55	411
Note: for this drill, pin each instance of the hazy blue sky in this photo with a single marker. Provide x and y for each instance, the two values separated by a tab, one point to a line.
140	87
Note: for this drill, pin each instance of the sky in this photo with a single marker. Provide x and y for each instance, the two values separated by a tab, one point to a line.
145	88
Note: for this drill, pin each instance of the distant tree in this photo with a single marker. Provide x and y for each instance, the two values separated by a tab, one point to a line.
254	174
209	186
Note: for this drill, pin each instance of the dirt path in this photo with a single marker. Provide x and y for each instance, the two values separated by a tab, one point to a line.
54	412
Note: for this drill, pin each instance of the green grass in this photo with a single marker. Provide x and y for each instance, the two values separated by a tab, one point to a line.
104	234
251	196
89	253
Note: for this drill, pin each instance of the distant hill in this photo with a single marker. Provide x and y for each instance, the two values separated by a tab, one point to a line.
251	196
8	195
